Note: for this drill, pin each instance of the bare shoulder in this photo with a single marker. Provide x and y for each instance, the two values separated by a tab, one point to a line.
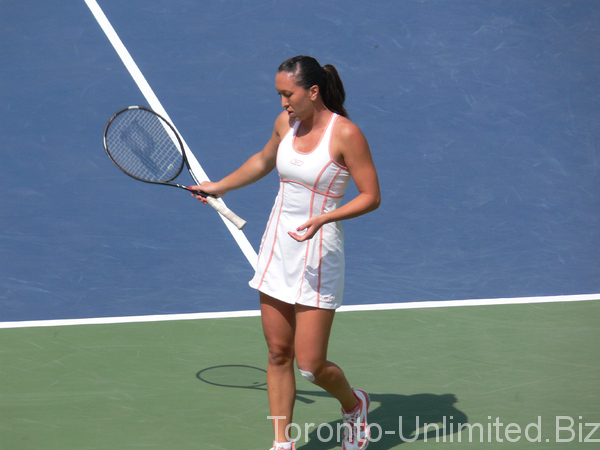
280	129
348	141
283	124
347	132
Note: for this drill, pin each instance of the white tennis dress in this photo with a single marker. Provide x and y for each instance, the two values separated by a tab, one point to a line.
312	272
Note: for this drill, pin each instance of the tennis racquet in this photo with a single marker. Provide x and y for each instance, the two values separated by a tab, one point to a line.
147	147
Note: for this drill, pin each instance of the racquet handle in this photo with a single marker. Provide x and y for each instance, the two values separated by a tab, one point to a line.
226	212
222	209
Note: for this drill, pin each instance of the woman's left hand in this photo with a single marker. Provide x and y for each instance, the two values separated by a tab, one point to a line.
310	228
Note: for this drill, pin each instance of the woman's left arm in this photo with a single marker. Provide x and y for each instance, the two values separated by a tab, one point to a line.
350	147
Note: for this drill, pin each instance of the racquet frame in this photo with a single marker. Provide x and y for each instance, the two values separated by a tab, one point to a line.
217	204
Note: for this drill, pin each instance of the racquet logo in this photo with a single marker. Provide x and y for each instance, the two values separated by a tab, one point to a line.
141	145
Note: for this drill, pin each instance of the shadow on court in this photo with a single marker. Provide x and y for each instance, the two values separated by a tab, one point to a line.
395	419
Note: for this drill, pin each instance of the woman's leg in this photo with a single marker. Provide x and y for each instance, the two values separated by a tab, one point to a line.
313	327
279	323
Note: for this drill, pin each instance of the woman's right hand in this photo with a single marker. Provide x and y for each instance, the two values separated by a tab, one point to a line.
208	187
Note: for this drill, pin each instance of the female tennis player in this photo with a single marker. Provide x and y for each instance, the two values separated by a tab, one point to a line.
300	272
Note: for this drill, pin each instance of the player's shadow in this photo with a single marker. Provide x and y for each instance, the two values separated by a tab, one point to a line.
397	419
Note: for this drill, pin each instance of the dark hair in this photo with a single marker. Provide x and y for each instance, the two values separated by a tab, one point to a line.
308	73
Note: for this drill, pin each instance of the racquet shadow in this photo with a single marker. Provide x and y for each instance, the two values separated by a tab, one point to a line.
395	418
240	376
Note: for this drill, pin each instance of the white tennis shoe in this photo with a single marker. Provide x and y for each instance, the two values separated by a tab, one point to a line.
283	446
356	427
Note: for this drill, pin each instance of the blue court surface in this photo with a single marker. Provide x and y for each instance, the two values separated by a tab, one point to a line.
483	118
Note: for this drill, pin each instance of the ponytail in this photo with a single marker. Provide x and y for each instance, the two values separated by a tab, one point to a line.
333	92
308	73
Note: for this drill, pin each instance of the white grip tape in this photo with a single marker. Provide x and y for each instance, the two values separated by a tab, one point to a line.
226	212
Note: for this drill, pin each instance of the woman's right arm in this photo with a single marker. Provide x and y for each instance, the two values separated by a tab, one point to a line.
256	167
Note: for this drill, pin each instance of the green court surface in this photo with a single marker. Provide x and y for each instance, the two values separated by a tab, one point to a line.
129	386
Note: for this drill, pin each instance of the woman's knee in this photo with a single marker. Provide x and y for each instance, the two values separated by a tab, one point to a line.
310	371
307	375
280	355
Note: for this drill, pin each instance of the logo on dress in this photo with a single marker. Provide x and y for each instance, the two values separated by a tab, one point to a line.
297	162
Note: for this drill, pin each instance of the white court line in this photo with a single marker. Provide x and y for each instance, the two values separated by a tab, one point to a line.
197	171
256	313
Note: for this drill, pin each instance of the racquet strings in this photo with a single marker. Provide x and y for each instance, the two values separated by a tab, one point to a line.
137	140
